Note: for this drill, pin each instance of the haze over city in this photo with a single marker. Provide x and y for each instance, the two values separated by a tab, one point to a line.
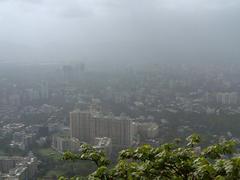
119	89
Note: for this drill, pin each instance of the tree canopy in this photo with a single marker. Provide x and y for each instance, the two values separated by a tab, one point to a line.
168	161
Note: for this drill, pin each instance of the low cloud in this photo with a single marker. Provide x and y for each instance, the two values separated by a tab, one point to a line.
131	29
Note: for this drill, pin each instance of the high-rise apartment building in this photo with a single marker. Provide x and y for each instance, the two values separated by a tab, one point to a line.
44	90
227	98
86	125
80	125
119	129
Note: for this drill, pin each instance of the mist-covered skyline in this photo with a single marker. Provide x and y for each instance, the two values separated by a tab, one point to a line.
111	30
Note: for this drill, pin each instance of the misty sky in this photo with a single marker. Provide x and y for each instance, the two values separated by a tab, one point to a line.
119	30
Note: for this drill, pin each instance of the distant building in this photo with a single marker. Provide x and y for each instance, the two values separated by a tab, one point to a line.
44	90
53	127
73	72
104	144
119	129
14	100
32	94
86	125
80	125
7	163
60	144
95	105
148	129
18	168
64	143
227	98
23	140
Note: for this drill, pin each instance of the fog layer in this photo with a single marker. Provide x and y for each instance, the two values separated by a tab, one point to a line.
114	30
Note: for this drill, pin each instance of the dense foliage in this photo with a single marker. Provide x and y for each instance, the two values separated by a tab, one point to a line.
169	161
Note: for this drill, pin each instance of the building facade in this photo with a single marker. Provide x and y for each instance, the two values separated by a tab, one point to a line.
86	125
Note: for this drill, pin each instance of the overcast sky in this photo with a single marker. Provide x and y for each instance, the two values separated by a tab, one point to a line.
119	30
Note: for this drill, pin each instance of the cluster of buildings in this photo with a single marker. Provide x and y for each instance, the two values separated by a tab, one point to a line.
227	98
12	127
72	72
15	96
62	143
43	109
103	144
7	113
168	98
104	132
87	125
39	93
198	102
18	168
149	130
23	137
23	140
